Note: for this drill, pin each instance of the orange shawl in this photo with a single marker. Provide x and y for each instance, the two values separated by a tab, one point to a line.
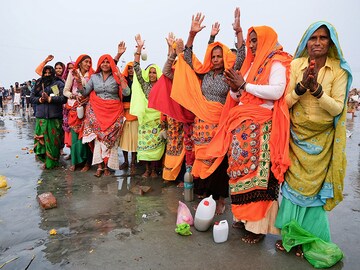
186	88
268	50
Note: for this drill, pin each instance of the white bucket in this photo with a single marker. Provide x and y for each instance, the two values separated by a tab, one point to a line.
221	231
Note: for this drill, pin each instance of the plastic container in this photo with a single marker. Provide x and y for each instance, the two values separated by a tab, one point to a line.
143	54
205	213
188	187
221	231
80	112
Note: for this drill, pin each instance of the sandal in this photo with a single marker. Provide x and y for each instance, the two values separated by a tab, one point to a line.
253	238
107	172
99	172
85	168
279	246
299	252
124	166
146	174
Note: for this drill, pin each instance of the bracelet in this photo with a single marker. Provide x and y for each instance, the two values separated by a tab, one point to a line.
242	86
317	91
138	53
300	89
320	95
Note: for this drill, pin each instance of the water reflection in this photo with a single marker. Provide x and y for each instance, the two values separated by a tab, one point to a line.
88	209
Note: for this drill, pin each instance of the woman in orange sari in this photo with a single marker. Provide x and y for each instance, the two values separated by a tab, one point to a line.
255	133
104	114
200	88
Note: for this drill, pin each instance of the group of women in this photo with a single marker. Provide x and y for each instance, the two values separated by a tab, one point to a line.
251	122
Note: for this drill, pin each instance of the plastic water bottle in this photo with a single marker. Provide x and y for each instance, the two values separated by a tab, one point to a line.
188	186
205	213
221	231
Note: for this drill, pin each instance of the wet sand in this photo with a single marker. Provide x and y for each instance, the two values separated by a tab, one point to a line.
102	225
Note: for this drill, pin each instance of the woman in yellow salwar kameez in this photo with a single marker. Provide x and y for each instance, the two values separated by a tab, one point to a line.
317	94
150	145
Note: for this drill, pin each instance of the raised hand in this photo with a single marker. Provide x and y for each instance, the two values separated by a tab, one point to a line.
140	43
236	25
196	23
49	58
215	29
170	39
179	46
121	47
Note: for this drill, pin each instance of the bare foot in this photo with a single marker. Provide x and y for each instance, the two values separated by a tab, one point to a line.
220	207
253	238
153	174
132	169
146	174
85	168
72	168
43	167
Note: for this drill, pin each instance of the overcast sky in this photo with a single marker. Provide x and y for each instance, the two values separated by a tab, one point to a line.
32	29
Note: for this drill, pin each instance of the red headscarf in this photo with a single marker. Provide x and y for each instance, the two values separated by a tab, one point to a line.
81	58
107	111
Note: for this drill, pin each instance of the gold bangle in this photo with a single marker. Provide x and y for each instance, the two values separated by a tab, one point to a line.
138	53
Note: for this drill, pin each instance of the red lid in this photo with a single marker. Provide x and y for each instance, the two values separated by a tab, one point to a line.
206	203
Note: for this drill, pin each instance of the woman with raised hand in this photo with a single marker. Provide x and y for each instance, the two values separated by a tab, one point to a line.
150	145
201	88
104	117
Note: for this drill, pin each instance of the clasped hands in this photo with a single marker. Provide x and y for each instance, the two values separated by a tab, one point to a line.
309	82
45	98
234	80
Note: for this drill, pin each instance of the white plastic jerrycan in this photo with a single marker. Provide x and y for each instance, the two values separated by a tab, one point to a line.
221	231
205	213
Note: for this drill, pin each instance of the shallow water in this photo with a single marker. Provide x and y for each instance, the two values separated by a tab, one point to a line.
101	224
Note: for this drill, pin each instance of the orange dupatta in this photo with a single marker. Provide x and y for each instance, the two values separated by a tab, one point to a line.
186	90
